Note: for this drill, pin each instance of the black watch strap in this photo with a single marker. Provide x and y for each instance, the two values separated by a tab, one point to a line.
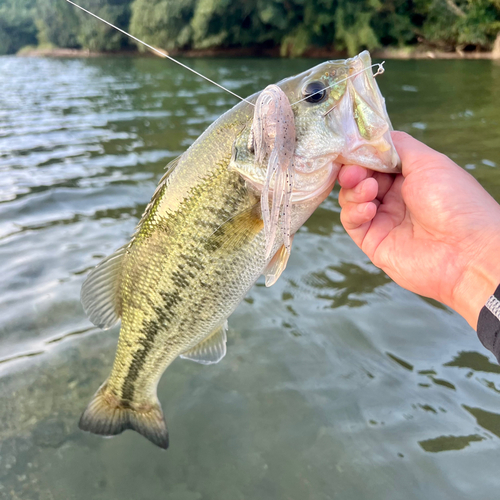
488	324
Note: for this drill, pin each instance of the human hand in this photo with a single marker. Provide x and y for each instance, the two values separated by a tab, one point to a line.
433	229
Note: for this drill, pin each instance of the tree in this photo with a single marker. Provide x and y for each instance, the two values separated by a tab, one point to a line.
63	25
450	24
57	23
17	25
97	36
163	23
293	26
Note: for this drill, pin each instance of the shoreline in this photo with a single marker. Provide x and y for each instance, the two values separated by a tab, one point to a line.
388	53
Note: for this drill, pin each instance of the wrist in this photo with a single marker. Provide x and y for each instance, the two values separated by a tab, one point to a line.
479	279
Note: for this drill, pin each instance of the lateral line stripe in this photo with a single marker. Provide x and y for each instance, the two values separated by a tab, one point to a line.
493	305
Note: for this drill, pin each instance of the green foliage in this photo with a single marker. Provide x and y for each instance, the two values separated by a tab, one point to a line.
296	25
163	23
353	30
95	35
63	25
57	23
396	23
481	23
292	25
460	23
17	25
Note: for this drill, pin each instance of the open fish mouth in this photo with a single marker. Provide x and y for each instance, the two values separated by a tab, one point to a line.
369	156
360	117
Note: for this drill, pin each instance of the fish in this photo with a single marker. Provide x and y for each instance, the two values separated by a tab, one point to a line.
226	212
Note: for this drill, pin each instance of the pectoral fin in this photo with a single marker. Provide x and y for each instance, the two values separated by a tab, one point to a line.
211	350
234	233
277	265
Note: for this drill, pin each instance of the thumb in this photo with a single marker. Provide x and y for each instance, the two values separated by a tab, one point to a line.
415	155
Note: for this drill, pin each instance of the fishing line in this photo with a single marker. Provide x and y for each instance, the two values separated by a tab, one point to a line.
159	52
380	70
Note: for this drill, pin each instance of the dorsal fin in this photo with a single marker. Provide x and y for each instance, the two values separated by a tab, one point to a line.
211	350
100	294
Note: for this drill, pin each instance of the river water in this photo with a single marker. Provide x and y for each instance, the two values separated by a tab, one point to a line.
338	384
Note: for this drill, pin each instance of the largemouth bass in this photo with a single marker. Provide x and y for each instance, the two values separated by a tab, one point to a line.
224	213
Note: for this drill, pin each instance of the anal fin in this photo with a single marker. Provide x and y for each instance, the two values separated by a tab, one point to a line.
211	350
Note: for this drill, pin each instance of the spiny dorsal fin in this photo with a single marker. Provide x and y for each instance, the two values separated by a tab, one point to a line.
211	350
100	294
277	265
163	181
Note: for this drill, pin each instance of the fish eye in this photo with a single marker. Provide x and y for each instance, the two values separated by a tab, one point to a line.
315	92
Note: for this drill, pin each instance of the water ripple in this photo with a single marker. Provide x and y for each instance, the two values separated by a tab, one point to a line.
332	375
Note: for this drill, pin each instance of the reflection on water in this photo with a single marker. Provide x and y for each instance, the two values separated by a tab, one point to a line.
337	284
447	443
337	383
486	419
475	361
403	363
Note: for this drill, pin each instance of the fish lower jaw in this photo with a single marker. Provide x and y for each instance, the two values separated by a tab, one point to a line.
372	158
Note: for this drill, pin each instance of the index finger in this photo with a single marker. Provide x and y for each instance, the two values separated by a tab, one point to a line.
351	175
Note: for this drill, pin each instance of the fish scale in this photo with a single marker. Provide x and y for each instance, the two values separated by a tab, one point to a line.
165	321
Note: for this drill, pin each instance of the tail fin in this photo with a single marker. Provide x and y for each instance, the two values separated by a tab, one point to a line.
107	415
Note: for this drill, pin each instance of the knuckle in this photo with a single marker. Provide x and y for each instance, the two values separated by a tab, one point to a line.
347	217
342	198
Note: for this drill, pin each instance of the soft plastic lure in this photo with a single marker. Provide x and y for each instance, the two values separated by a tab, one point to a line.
273	137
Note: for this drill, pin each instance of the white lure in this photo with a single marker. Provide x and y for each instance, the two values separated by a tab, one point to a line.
273	136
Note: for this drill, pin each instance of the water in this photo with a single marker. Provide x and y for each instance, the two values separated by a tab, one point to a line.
337	384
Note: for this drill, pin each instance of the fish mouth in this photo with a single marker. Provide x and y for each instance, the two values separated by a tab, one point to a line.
381	159
360	117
